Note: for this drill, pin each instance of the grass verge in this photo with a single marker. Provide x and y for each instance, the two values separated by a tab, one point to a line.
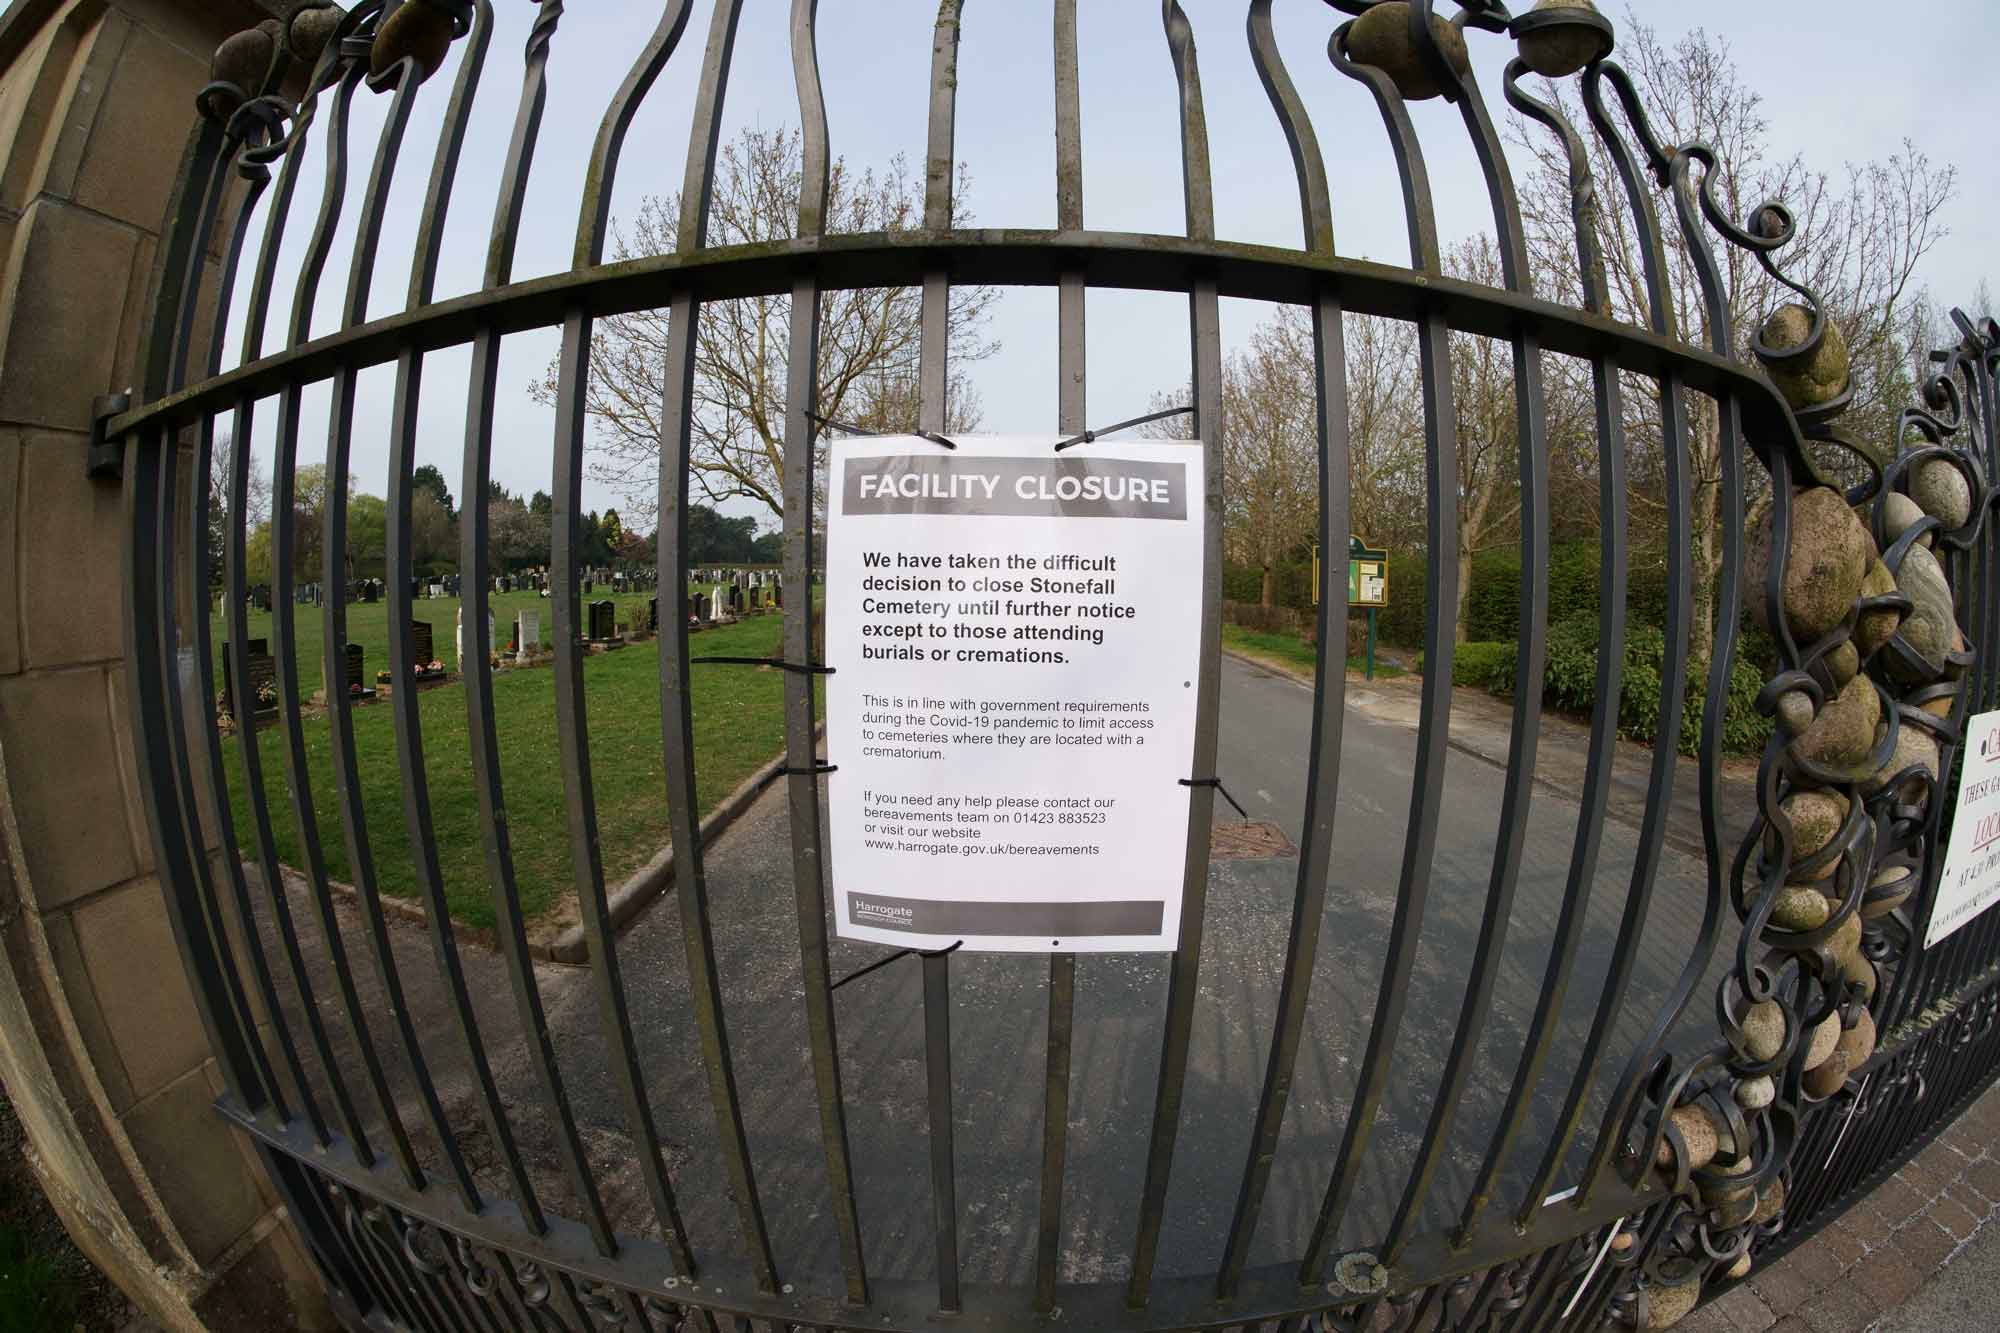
1291	652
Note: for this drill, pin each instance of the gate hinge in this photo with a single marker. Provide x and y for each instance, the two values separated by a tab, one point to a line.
106	458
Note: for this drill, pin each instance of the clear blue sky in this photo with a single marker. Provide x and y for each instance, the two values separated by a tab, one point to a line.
1842	81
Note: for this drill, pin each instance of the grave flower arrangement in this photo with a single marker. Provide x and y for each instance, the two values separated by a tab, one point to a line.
267	695
382	678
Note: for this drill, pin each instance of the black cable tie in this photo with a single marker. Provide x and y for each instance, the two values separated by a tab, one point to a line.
1090	436
802	668
879	963
932	436
1217	784
814	771
837	425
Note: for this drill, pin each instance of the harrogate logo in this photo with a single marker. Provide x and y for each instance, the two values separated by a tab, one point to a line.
886	914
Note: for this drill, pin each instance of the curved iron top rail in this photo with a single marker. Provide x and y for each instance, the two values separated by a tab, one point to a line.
1015	257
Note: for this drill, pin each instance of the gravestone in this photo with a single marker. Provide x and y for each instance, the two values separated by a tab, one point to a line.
527	634
704	609
653	615
736	603
603	622
423	651
263	673
352	682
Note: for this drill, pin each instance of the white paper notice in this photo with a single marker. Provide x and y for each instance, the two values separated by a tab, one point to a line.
1015	635
1971	880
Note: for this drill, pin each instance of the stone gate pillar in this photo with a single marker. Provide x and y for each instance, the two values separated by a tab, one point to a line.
100	1048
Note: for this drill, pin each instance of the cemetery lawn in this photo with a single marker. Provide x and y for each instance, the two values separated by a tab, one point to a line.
738	726
368	625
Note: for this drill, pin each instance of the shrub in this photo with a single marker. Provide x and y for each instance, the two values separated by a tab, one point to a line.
1488	666
1570	684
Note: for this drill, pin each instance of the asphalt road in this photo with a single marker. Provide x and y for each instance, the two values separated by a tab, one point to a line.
998	1025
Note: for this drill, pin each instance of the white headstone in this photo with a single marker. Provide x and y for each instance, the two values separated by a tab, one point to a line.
467	650
527	633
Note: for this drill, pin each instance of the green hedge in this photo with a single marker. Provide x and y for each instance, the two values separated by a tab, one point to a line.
1493	603
1245	583
1570	684
1493	608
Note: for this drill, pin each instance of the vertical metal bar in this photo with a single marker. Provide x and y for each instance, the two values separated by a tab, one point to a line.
1624	1102
1673	684
214	184
676	700
258	1085
1440	619
282	527
1608	395
238	666
340	709
802	787
1652	832
237	595
1070	419
937	1070
147	604
933	402
1055	1120
476	644
403	702
284	631
1532	448
572	722
1205	331
1330	683
274	1107
193	903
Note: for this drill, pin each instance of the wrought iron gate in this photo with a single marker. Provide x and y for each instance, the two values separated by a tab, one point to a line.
1695	1168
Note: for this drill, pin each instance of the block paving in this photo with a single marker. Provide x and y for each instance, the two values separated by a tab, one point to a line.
1888	1244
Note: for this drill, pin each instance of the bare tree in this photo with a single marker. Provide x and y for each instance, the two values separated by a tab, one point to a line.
1860	239
1271	448
1385	434
869	337
1482	372
256	502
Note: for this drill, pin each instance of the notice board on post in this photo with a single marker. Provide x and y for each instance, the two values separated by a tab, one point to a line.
1015	635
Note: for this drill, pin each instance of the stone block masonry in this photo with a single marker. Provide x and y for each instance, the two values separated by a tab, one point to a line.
101	1047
